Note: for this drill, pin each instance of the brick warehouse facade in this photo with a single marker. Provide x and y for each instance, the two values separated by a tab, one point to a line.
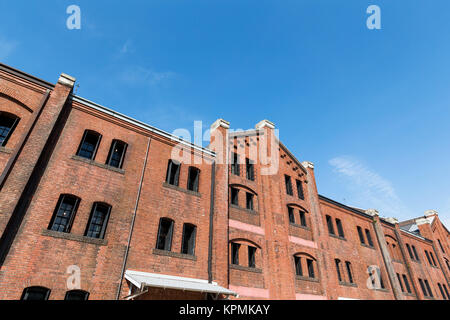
87	193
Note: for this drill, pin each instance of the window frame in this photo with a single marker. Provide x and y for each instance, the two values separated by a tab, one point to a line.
252	256
176	175
300	191
288	185
111	153
330	226
340	228
249	199
94	152
68	226
105	220
193	185
249	170
235	247
15	119
193	238
46	293
76	291
168	234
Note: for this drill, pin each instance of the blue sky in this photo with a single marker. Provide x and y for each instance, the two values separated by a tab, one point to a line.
370	108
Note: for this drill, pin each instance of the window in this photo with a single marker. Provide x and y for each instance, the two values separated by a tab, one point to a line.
235	196
173	172
448	264
251	257
440	245
35	293
249	201
89	144
250	169
235	253
291	215
235	164
400	282
302	218
310	265
300	190
64	213
348	265
98	221
287	181
380	276
298	266
430	293
165	232
117	154
188	243
422	286
193	179
446	291
405	280
432	259
361	236
338	269
428	257
77	295
369	238
8	123
442	291
339	227
330	225
415	253
410	252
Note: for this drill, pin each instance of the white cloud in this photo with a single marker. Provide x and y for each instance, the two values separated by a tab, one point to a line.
6	48
144	76
368	189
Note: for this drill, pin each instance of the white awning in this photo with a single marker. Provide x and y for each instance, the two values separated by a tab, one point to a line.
145	279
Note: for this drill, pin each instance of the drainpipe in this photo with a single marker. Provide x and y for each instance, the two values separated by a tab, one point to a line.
211	221
125	258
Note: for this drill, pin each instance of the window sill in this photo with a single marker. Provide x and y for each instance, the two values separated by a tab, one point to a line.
302	278
6	150
171	186
337	237
347	284
242	268
174	254
74	237
367	246
97	164
299	226
244	209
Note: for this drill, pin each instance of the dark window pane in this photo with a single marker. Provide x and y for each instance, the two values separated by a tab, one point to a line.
64	214
250	169
430	293
173	172
98	221
188	243
339	227
349	271
400	282
310	264
235	167
89	145
410	252
287	180
193	179
369	238
35	293
300	190
8	123
298	266
116	154
165	231
235	253
330	225
249	201
77	295
422	286
415	253
338	268
440	245
302	218
235	196
361	236
405	280
251	257
291	215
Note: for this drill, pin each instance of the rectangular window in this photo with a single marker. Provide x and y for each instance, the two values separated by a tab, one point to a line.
310	265
193	179
89	144
442	291
348	265
302	218
446	291
432	259
300	190
428	257
430	293
291	215
234	196
249	201
188	243
251	257
369	238
415	253
339	227
380	276
440	245
117	154
98	221
165	232
235	253
173	172
298	266
235	169
250	169
64	213
422	286
410	252
405	280
330	225
338	269
287	181
400	282
8	123
360	234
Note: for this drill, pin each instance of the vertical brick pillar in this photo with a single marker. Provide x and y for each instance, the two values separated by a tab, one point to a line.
386	256
20	185
219	144
318	230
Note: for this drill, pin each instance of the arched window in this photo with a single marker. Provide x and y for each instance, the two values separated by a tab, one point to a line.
165	232
98	220
188	242
117	154
193	179
35	293
305	265
245	252
173	172
8	123
64	213
77	295
89	144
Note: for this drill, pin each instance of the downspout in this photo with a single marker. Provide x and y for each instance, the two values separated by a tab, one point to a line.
211	221
132	221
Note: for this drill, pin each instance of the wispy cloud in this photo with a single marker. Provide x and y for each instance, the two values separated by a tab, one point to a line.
127	47
368	189
138	75
7	47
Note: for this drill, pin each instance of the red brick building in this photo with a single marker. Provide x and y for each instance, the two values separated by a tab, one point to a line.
94	204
